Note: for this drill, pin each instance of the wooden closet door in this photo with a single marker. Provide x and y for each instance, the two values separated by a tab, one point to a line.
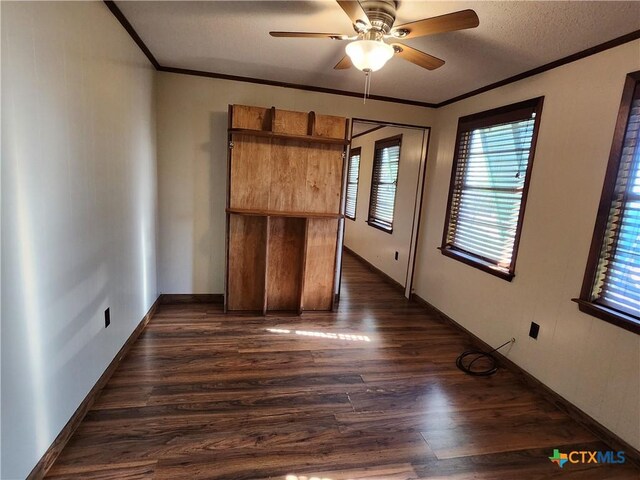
320	263
247	262
285	255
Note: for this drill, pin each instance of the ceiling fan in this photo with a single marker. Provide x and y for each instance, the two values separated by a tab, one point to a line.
375	39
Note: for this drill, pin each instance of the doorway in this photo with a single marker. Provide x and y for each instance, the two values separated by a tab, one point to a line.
384	181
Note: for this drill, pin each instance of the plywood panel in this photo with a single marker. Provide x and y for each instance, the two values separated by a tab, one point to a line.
250	172
320	264
253	118
324	179
330	126
288	170
294	123
285	257
247	250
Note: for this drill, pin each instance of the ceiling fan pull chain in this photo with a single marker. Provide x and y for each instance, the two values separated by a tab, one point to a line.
367	85
366	81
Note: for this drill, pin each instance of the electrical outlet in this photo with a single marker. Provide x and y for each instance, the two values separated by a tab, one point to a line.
107	318
533	331
396	256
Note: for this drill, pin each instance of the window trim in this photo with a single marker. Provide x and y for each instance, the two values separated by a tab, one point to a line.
379	145
495	116
353	152
585	304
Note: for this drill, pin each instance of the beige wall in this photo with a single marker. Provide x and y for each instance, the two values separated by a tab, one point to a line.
588	361
376	246
78	212
192	156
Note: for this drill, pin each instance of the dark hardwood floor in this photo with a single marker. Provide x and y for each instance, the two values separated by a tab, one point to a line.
370	391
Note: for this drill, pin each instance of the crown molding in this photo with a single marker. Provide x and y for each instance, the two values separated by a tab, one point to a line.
629	37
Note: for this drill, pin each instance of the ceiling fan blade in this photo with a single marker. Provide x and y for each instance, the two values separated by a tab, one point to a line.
333	36
354	11
444	23
344	63
421	59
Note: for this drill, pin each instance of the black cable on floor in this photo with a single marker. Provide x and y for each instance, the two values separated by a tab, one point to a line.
493	362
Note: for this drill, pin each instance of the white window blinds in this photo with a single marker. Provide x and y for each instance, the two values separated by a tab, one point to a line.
353	170
617	280
384	183
489	179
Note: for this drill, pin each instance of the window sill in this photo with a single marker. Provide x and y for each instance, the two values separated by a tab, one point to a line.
380	227
609	315
350	218
476	262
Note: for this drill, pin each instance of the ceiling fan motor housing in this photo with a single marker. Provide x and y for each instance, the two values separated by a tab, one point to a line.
381	14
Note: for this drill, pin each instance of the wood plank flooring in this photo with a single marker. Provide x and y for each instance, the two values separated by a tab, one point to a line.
368	392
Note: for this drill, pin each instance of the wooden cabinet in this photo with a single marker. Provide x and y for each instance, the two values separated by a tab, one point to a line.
283	208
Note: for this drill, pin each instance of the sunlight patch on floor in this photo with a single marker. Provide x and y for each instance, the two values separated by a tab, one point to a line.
304	477
332	336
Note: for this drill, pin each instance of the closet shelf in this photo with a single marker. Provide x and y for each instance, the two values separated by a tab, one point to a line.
289	136
276	213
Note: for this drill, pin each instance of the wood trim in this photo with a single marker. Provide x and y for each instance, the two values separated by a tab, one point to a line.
111	5
340	233
616	42
265	297
387	123
394	283
227	205
342	224
181	298
586	305
288	136
389	142
476	262
303	267
527	182
630	37
610	315
504	114
295	86
547	393
635	35
339	246
276	213
271	121
311	124
48	459
409	281
377	226
500	114
367	132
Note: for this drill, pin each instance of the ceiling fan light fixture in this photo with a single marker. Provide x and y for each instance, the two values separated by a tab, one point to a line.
369	55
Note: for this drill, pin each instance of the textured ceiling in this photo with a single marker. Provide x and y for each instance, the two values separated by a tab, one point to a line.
514	36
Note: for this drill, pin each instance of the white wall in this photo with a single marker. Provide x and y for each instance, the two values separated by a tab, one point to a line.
588	361
374	245
78	212
192	156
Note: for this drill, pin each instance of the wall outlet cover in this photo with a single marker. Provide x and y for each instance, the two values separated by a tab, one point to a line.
534	330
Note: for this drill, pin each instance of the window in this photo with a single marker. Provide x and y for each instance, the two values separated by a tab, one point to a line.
611	286
353	170
489	182
384	182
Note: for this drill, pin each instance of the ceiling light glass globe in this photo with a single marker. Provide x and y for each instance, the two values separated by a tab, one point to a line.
369	55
